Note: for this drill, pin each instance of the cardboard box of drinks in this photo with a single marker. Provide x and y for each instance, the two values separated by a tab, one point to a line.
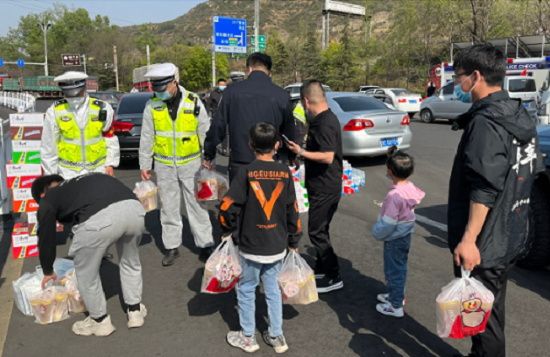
24	245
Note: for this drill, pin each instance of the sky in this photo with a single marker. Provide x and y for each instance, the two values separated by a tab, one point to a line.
120	12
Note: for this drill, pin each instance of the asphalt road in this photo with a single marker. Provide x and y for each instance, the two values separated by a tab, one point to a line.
184	322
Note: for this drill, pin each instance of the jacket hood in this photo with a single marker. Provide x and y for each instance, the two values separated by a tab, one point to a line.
504	111
411	194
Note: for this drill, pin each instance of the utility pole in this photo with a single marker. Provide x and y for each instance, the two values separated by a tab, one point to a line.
115	64
84	63
148	51
256	25
44	26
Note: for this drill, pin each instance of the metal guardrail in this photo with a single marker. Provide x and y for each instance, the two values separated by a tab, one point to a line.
19	101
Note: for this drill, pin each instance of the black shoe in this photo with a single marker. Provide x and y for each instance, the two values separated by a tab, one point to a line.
205	253
326	284
170	257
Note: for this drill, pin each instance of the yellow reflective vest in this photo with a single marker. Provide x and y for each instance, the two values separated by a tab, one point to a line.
77	148
299	113
176	141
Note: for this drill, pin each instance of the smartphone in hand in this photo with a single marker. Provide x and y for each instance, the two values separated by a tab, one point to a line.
285	138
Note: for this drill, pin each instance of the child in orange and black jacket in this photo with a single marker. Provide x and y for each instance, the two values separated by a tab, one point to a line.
261	205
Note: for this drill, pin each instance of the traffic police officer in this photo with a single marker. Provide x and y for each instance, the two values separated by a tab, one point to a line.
77	137
174	126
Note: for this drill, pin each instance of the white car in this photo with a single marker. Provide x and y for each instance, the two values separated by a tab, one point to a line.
400	98
294	90
363	89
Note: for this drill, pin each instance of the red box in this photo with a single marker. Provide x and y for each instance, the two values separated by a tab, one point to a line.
21	181
26	132
23	244
22	201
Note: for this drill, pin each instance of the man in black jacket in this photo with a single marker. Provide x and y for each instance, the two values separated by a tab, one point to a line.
102	212
490	184
244	104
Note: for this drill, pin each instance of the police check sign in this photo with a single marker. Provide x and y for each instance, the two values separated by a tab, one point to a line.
229	34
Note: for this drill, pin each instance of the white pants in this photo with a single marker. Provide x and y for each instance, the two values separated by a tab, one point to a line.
173	182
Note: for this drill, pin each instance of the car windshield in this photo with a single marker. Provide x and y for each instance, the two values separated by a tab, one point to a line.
357	104
522	85
400	91
133	104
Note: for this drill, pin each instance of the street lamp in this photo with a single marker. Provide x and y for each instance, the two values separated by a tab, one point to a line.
45	26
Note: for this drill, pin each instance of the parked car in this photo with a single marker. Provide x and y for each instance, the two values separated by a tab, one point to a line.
524	88
294	90
369	127
112	98
442	105
363	89
127	123
544	108
400	98
539	224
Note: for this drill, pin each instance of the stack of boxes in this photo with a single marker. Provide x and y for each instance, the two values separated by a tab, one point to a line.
25	133
352	179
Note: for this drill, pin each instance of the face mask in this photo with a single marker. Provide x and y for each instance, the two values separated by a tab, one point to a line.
221	88
164	95
73	92
76	101
465	97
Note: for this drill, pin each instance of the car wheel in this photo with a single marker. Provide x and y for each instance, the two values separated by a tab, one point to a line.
426	116
538	255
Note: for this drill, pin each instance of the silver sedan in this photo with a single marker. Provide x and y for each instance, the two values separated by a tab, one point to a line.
369	127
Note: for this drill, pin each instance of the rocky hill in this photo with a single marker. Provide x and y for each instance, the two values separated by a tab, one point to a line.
288	18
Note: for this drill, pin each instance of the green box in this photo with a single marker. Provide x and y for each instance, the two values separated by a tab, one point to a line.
25	157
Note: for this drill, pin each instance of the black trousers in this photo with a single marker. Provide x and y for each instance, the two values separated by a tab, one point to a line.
233	168
322	207
492	342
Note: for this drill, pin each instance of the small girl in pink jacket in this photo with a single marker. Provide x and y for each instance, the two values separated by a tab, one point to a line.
394	227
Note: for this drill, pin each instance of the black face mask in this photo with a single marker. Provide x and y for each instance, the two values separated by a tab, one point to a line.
73	92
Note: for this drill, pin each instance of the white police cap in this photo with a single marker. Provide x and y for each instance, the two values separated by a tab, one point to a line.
70	76
161	71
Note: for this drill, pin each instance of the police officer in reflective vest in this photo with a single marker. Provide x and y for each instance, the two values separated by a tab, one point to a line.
77	137
174	126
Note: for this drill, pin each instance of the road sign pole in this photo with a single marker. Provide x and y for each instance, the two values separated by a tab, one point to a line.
256	25
115	64
84	63
213	66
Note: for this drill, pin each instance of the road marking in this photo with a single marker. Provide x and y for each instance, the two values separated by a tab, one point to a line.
431	222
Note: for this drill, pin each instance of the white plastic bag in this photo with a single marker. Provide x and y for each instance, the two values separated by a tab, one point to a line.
223	269
75	301
463	307
297	281
210	185
50	305
146	192
25	287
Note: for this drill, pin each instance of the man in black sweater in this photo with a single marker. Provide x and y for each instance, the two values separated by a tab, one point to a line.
244	104
102	211
323	161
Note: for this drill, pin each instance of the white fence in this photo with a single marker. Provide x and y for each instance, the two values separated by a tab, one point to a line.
19	101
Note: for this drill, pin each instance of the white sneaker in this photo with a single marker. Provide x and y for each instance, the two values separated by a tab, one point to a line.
384	298
388	310
89	326
137	318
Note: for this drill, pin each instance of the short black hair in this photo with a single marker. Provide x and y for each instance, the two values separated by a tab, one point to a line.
263	137
310	86
485	58
42	184
259	59
221	80
400	163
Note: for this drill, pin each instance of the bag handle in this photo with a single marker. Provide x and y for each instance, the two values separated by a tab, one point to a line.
465	273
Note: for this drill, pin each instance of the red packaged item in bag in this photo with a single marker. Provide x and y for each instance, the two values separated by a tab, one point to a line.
223	269
210	185
463	307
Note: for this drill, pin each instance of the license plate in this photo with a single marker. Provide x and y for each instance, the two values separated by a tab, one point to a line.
526	105
387	142
413	101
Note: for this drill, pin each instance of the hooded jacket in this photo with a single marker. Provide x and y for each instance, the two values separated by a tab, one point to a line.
495	165
396	219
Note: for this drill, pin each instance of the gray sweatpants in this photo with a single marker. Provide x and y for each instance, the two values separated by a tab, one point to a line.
175	183
122	223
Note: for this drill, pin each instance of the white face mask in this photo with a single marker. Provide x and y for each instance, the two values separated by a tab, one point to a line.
76	101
